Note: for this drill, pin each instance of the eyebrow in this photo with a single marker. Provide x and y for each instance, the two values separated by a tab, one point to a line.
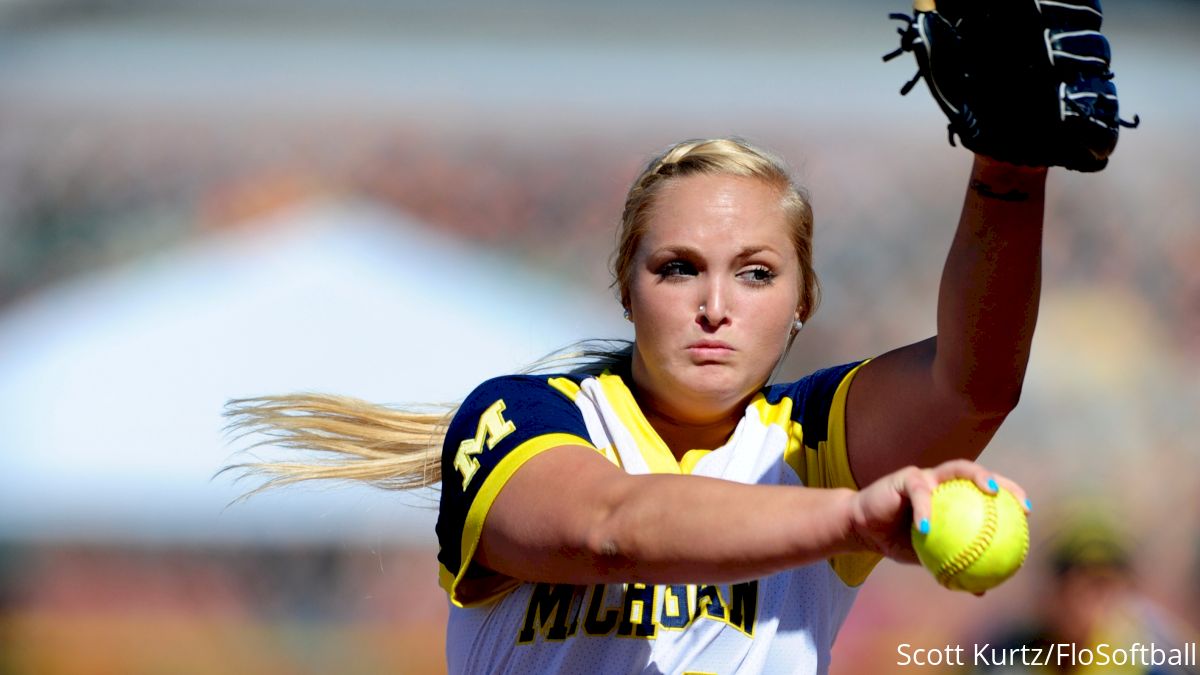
752	250
746	252
675	250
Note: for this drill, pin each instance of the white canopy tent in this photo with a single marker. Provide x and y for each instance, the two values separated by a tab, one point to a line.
112	386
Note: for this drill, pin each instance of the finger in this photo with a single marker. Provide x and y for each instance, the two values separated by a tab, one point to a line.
918	487
1016	491
961	468
985	479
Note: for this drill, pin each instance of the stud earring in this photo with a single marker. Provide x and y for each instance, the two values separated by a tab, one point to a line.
796	326
628	316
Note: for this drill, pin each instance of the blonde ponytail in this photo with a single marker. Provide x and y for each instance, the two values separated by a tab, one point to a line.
395	449
355	440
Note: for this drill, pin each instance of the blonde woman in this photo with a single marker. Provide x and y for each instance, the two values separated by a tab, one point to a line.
663	508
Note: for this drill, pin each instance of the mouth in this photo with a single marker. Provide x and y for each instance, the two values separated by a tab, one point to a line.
710	351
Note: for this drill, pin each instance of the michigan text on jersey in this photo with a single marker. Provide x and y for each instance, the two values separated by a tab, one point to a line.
559	611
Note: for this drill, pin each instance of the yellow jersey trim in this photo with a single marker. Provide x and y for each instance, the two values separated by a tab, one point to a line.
485	590
831	462
658	456
687	464
567	387
780	415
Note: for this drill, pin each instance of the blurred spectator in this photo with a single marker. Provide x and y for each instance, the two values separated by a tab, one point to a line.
1092	617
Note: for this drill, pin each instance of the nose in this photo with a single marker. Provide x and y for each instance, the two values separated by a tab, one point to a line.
713	309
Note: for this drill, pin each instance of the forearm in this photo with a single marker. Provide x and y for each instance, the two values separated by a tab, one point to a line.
688	529
597	524
988	301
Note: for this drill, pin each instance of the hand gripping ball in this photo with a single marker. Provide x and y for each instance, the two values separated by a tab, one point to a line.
976	540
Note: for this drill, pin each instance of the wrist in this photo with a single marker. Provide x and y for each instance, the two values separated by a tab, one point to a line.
993	179
852	539
993	169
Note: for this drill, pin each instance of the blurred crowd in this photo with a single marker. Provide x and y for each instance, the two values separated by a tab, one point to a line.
77	195
115	608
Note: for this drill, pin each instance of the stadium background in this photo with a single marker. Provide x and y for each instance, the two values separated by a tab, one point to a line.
396	200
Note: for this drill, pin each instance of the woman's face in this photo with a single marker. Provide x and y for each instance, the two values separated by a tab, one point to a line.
721	242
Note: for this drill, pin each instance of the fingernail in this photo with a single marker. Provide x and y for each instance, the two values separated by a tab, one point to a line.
923	526
1028	505
992	485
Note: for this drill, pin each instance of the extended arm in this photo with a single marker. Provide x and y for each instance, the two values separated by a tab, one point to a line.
945	397
570	516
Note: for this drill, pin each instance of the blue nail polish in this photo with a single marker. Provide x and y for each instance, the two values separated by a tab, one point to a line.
923	526
1028	505
992	485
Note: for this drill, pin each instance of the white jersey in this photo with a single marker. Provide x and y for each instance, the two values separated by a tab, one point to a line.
791	434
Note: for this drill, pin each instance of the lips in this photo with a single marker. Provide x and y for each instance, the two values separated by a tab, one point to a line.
710	350
711	344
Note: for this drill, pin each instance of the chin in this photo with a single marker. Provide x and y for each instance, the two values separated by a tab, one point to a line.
717	384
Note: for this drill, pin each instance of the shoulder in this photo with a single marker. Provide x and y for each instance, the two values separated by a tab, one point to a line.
818	385
503	423
525	390
533	403
820	457
816	397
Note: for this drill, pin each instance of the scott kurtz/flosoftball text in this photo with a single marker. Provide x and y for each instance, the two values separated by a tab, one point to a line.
1061	654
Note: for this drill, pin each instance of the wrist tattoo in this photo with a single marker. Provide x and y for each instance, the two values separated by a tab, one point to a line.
984	190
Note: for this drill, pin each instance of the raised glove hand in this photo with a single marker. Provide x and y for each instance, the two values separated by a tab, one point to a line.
1022	81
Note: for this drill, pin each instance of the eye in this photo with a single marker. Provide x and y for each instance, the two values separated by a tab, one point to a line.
758	275
676	269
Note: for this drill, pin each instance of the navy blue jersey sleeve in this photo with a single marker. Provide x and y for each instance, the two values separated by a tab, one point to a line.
818	416
825	462
500	426
820	408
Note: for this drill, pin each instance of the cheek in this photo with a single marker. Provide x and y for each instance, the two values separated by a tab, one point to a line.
773	314
771	336
661	313
656	298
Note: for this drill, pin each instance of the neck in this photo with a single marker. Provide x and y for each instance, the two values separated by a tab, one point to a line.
682	434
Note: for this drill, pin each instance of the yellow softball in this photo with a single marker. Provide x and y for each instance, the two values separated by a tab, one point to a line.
976	540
